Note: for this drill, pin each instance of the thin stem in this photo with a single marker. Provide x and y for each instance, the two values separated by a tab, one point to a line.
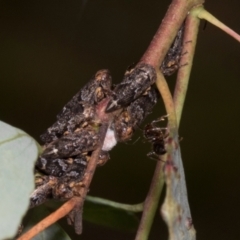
166	32
151	203
127	207
168	100
89	174
190	39
203	14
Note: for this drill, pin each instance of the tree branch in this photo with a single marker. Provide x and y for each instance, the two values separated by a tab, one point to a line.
166	32
89	174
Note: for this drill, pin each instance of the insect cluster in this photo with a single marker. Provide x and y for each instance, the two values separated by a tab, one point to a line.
70	141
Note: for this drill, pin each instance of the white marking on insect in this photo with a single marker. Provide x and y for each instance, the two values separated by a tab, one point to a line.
55	150
110	140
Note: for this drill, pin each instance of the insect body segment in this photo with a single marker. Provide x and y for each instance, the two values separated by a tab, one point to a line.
131	117
63	166
43	191
73	144
133	86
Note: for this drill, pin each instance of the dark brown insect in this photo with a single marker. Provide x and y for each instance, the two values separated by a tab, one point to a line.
67	155
171	62
134	85
156	136
132	116
50	187
81	108
43	191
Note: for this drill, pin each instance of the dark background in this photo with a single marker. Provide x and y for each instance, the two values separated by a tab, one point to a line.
50	49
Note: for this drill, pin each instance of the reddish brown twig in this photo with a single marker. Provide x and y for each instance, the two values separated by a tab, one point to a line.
49	220
89	175
166	32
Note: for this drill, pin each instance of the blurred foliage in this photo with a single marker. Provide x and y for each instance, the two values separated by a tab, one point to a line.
18	153
53	232
104	215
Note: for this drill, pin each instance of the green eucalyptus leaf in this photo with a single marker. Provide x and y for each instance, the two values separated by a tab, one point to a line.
53	232
18	153
110	217
104	215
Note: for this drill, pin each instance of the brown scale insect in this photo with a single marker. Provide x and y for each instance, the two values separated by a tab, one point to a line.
68	153
43	191
134	84
171	62
81	108
131	117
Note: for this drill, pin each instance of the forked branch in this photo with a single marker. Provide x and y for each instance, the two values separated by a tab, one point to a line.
175	210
